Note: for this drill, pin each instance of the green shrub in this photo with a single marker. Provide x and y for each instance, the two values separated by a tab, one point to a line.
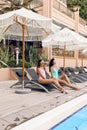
4	56
12	63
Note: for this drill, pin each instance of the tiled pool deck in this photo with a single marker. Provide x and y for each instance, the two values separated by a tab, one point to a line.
18	108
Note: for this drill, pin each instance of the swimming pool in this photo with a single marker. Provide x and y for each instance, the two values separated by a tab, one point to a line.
77	121
49	119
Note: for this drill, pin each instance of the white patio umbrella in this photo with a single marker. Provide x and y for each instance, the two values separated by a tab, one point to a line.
71	40
23	18
67	38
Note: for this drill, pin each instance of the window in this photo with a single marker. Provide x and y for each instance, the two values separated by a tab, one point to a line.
81	55
56	51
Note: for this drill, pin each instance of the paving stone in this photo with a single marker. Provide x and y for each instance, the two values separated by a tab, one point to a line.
13	118
3	124
25	107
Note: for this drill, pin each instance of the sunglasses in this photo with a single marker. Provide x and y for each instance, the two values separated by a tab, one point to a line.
42	62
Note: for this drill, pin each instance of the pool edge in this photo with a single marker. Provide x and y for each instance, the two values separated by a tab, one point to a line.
54	116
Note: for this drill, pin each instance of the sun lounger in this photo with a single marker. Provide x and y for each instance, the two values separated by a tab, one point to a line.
77	76
18	73
82	72
27	80
34	76
72	78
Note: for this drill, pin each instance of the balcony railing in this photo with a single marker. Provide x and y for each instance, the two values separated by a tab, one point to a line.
63	9
60	7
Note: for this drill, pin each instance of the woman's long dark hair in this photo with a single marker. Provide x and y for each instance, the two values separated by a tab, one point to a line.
39	62
51	64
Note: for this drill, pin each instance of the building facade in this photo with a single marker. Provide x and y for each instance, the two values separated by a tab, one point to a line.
62	16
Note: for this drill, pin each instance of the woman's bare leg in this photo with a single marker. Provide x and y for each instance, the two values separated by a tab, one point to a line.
64	77
55	82
59	86
68	84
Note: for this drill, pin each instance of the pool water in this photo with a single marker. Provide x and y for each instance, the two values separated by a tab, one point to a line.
77	121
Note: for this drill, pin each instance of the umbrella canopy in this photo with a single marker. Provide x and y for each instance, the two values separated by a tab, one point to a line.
73	46
65	36
26	17
35	24
23	18
68	36
67	39
30	34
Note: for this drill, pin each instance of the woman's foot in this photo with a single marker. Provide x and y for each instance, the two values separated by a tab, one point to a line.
65	92
76	88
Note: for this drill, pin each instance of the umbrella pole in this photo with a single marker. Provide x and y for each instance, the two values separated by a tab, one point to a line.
23	90
64	56
23	59
82	61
